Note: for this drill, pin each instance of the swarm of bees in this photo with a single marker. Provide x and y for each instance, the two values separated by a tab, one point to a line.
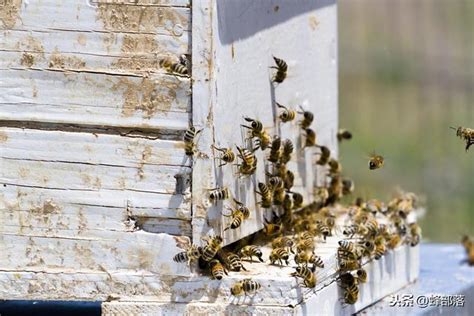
367	230
466	134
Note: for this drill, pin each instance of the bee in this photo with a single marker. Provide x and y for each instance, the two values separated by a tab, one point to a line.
266	195
237	217
213	246
306	274
249	161
347	246
323	156
306	236
251	251
415	232
467	242
368	247
347	279
376	162
283	242
306	257
372	227
282	68
308	118
348	265
321	195
361	275
192	253
323	229
233	261
185	60
227	155
347	186
467	134
310	138
305	245
264	141
189	135
276	183
335	167
172	67
272	229
330	222
275	150
217	269
343	134
393	241
247	286
242	208
379	251
351	230
278	196
297	200
289	179
286	115
280	170
280	255
351	294
288	148
219	194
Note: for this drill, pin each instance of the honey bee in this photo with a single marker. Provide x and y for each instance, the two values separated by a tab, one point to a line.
351	230
307	257
297	200
192	253
278	196
308	118
330	222
322	229
310	138
346	247
347	186
379	251
343	134
372	227
233	261
185	60
323	156
348	264
306	274
376	162
361	275
306	236
467	242
219	194
282	68
283	242
305	245
272	229
335	167
275	150
351	294
280	255
289	179
393	241
172	67
266	195
251	251
280	170
264	141
321	195
242	208
212	247
246	286
347	279
217	269
368	247
276	183
237	217
287	151
467	134
286	115
415	232
227	155
256	127
189	135
249	161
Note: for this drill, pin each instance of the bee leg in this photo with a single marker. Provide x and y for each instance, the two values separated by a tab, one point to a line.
243	268
260	258
222	164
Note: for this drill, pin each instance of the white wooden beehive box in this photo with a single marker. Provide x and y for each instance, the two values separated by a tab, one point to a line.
97	192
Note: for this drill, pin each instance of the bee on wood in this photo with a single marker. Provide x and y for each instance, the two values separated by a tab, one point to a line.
192	253
351	230
297	200
217	269
306	236
237	217
256	127
272	229
322	229
343	134
281	255
351	294
288	148
347	279
286	115
189	135
251	251
242	208
308	118
305	245
212	247
348	250
233	261
361	275
275	183
393	241
323	156
219	194
376	162
266	195
249	161
185	60
263	141
246	286
347	186
282	68
173	67
306	274
289	179
321	195
368	247
372	228
275	150
310	138
308	257
379	251
348	265
467	134
278	196
227	155
283	242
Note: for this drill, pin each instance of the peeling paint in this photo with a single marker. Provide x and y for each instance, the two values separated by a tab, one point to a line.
9	13
57	60
134	50
27	59
3	137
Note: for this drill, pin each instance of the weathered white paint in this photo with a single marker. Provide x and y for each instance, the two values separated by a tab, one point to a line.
232	55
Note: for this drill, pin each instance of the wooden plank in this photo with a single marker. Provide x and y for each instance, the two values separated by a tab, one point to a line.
98	16
95	99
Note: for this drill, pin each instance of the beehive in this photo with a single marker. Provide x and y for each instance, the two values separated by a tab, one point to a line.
97	190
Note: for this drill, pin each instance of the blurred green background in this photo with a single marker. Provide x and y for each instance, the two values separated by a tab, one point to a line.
406	75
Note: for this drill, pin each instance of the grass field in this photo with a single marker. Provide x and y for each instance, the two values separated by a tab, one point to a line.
406	75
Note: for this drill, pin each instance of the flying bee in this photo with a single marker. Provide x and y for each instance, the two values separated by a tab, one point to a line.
467	134
323	156
376	162
286	115
347	186
217	269
251	251
351	294
219	194
310	138
361	275
283	242
343	134
237	217
288	148
275	150
227	155
279	196
297	200
189	135
192	253
213	246
335	167
281	255
266	195
233	261
308	118
307	257
282	68
306	274
174	68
